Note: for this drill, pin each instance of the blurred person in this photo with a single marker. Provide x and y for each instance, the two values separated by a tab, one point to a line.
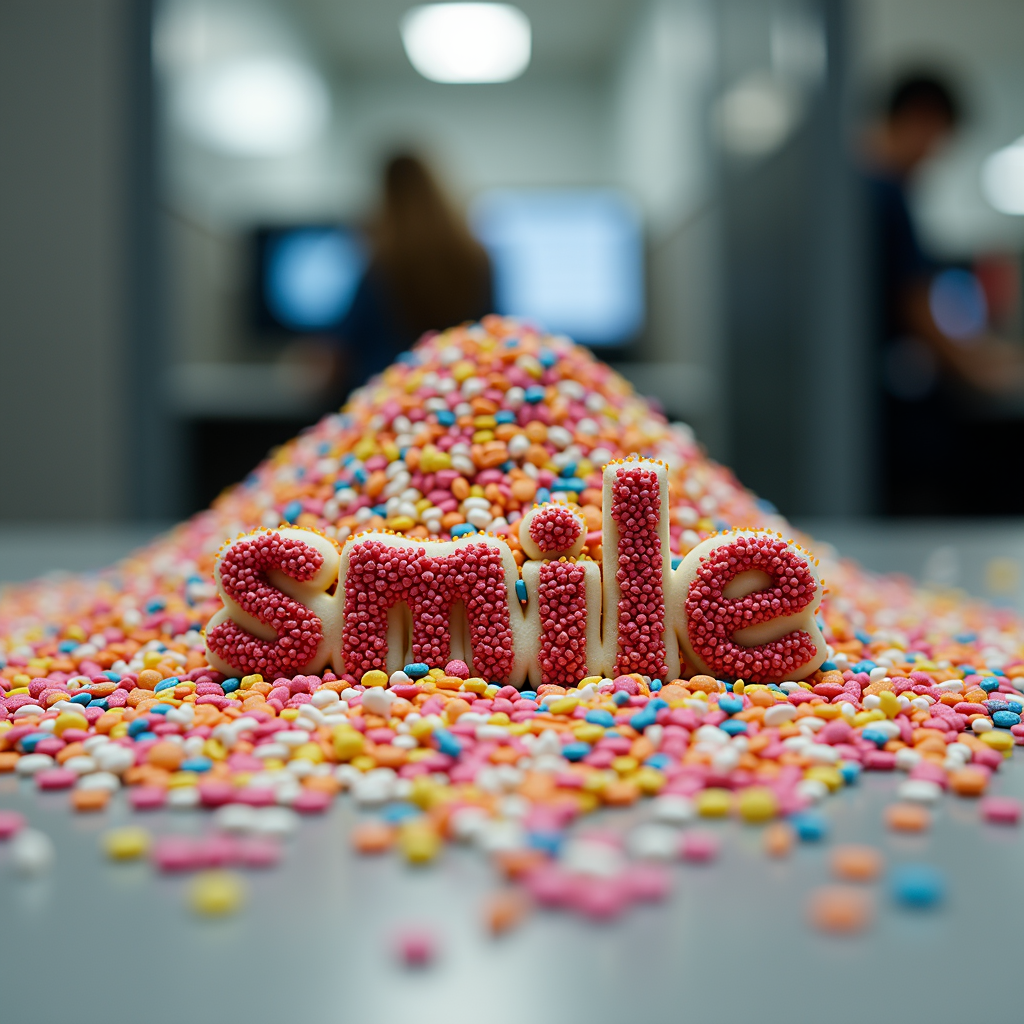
935	457
426	272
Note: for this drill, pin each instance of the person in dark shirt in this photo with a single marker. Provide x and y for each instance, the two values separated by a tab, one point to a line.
935	457
426	272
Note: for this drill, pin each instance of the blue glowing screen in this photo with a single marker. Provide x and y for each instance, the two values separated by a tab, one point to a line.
568	261
310	275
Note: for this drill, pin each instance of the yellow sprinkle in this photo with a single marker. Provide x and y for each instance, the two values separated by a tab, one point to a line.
714	803
648	780
215	893
826	773
757	804
625	765
419	842
563	706
400	523
126	843
348	743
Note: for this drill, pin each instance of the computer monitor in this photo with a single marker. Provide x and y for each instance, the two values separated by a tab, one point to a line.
569	260
306	276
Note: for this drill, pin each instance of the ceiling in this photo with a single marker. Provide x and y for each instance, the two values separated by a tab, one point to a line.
361	37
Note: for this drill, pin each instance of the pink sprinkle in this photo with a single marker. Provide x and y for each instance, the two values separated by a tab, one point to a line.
458	669
254	797
1001	810
178	853
55	778
311	801
147	798
416	947
214	794
600	899
10	823
648	882
699	847
258	853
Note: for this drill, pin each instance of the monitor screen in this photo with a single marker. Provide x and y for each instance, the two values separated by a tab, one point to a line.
570	261
307	276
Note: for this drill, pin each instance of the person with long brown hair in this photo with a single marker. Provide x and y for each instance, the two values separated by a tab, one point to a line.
426	271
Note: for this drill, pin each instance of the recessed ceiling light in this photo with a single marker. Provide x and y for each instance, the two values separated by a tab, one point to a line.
264	106
1002	178
467	42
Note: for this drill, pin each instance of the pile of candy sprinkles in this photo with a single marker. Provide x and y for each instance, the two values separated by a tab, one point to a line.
106	686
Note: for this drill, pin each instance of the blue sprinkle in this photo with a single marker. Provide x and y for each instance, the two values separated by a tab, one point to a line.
359	475
876	736
28	743
733	727
864	638
968	670
656	685
160	709
810	826
598	716
416	670
676	561
572	484
400	811
547	358
100	702
137	727
230	685
864	666
542	495
659	761
643	718
165	684
292	511
729	704
527	694
461	529
380	510
521	590
850	771
67	646
966	638
447	743
196	764
829	666
156	605
655	704
620	697
534	394
81	698
776	687
505	416
114	677
446	417
568	470
917	885
549	842
575	751
1005	719
145	737
988	685
766	506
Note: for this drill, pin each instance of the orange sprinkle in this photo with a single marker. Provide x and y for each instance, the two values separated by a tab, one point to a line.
778	839
855	863
968	782
373	837
503	911
90	799
839	909
907	817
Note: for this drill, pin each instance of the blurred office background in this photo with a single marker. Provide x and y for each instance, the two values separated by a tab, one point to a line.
183	185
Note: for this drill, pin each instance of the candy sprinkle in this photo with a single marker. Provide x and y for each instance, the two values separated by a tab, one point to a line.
496	430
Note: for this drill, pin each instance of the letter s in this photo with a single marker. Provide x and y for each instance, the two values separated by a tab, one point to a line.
277	619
